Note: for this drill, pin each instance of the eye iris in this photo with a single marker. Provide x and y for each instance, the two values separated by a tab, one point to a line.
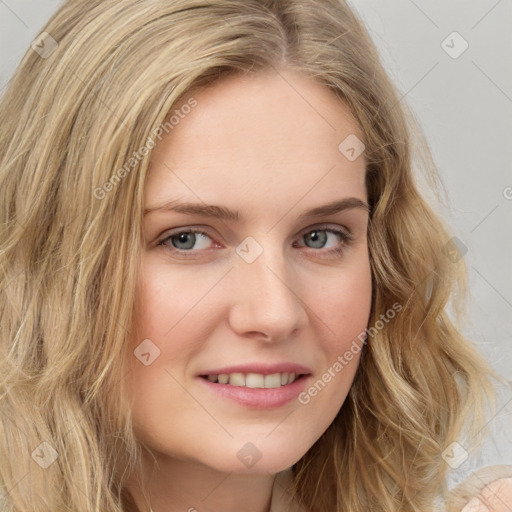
182	238
317	236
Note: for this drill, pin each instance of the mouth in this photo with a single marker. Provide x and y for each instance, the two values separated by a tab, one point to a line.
255	380
263	391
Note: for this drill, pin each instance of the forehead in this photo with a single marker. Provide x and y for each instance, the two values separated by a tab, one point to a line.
259	133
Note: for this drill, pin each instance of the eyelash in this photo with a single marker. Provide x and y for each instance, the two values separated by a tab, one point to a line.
346	239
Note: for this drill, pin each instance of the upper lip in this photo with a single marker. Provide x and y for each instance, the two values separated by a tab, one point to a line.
263	368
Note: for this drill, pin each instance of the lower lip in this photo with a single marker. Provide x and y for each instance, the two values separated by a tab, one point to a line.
259	398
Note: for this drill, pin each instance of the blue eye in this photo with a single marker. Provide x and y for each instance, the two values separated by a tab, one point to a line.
319	237
186	241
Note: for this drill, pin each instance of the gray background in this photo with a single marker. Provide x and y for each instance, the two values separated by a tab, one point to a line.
464	106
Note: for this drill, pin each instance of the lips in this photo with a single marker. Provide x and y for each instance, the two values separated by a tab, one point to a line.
261	386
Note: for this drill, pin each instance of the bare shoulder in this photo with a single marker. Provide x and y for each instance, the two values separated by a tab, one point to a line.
487	490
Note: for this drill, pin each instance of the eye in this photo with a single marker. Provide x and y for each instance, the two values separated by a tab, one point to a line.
188	241
319	236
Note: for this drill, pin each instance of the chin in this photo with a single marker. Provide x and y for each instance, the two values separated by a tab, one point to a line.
259	456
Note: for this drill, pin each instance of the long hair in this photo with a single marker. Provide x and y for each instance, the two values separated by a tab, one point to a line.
79	120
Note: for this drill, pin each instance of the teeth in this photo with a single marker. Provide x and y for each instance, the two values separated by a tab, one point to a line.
237	379
254	380
273	381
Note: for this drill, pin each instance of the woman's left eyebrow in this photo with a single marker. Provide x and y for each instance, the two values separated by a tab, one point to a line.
348	203
223	213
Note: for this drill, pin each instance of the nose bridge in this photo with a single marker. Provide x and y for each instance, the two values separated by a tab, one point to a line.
266	299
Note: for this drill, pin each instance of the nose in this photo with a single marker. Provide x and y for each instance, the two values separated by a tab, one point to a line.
266	301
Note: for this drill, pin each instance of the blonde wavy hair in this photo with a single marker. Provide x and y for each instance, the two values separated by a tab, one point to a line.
70	259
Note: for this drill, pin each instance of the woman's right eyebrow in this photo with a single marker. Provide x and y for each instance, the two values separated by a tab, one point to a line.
223	213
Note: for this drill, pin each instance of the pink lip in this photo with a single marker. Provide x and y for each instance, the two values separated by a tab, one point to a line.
258	398
264	369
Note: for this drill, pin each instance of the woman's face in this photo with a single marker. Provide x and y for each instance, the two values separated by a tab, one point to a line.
273	292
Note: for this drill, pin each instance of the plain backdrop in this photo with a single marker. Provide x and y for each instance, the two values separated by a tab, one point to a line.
459	87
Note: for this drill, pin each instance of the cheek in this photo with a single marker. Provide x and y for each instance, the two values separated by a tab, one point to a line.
344	303
167	300
343	309
158	341
174	311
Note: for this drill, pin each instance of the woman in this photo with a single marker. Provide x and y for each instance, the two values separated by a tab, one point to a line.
245	370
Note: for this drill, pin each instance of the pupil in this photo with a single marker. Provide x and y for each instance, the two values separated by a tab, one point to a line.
182	239
318	236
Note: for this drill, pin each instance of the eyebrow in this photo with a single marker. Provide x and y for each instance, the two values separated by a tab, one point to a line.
223	213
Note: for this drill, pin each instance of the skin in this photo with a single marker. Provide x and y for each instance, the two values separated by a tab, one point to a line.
267	146
495	497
